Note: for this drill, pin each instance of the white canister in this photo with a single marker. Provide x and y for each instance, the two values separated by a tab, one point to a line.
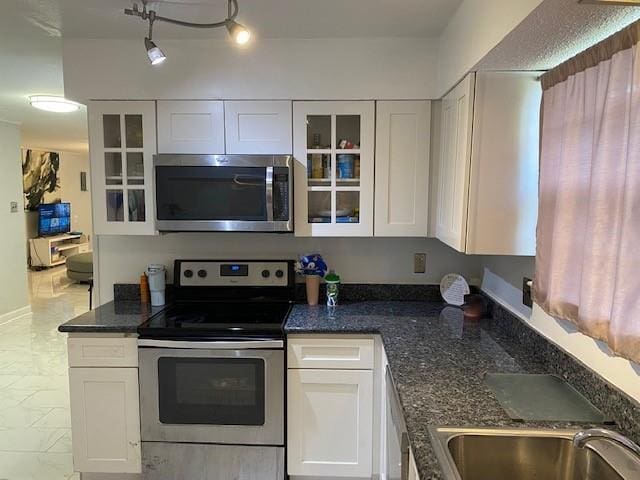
157	284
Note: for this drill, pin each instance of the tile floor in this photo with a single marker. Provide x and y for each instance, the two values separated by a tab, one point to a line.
35	435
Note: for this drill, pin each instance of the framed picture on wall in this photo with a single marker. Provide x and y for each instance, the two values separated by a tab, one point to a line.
40	178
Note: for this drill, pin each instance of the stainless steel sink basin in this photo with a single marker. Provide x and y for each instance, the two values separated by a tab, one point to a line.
518	454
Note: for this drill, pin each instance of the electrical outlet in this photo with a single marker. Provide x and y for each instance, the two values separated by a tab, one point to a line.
420	263
13	207
526	292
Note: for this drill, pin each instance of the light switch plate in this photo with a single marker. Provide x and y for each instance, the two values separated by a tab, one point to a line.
13	207
420	263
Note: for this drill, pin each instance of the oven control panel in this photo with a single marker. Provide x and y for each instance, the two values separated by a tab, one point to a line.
219	273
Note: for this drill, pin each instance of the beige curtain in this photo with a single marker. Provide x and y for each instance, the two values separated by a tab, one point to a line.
588	239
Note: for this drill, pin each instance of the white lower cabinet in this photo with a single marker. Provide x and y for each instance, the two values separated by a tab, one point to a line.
413	469
330	423
105	420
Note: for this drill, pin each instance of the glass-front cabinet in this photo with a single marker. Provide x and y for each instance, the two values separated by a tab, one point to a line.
334	152
122	142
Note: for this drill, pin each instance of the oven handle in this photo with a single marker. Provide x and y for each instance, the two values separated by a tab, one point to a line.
195	345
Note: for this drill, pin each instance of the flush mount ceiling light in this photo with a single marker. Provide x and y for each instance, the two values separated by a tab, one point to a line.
50	103
238	32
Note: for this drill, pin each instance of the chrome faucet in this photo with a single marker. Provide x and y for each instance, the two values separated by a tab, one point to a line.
581	439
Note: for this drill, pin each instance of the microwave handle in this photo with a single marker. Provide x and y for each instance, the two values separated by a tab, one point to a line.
269	193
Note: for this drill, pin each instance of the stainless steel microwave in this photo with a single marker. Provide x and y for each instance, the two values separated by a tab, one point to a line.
223	193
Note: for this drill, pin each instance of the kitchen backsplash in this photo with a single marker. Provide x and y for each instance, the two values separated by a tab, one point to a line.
356	260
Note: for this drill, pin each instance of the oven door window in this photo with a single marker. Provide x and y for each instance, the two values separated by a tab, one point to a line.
211	391
211	193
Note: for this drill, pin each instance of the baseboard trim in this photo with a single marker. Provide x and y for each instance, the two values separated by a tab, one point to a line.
15	314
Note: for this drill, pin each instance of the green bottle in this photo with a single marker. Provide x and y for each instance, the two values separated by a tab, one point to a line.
333	287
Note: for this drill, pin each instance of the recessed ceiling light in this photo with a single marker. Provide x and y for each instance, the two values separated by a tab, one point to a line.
52	103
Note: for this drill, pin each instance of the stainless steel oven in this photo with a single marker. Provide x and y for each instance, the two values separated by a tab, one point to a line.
244	193
213	392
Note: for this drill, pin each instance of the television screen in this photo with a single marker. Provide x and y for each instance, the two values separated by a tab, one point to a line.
54	218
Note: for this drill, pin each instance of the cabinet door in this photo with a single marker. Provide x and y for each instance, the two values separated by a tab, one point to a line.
334	169
503	189
186	126
122	142
258	127
330	423
454	167
402	168
105	420
413	469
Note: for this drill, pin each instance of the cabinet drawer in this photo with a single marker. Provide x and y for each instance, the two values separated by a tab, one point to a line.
103	352
328	353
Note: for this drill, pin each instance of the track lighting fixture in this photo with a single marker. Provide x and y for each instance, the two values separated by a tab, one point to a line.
155	55
238	32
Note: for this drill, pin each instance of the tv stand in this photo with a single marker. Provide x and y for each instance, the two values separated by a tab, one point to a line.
52	251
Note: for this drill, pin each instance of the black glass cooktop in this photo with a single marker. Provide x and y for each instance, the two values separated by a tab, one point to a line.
210	321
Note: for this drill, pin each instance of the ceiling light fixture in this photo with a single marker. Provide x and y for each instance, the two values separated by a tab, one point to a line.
238	32
155	55
50	103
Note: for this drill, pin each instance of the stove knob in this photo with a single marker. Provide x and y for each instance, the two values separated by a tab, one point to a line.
188	273
266	273
202	273
279	273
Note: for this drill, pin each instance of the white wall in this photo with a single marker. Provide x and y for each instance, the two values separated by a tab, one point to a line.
357	260
13	268
270	69
476	27
595	354
71	164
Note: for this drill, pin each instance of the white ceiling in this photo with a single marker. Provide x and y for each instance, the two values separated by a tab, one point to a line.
268	18
31	44
556	31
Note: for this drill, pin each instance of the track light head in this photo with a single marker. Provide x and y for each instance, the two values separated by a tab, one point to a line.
239	33
156	56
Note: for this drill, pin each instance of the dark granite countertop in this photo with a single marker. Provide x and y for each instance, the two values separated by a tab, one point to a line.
122	316
437	361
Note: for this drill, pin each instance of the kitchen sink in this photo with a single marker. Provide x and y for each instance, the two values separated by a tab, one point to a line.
534	454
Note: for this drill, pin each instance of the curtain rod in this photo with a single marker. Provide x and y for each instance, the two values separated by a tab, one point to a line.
600	52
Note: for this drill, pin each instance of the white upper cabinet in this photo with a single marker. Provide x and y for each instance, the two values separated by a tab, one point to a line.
186	126
402	168
488	166
454	167
122	142
258	127
503	189
333	145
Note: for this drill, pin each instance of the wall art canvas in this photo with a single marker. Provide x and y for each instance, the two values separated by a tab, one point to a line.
40	178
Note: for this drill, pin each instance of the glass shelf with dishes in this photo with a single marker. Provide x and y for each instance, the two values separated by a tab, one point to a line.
333	161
